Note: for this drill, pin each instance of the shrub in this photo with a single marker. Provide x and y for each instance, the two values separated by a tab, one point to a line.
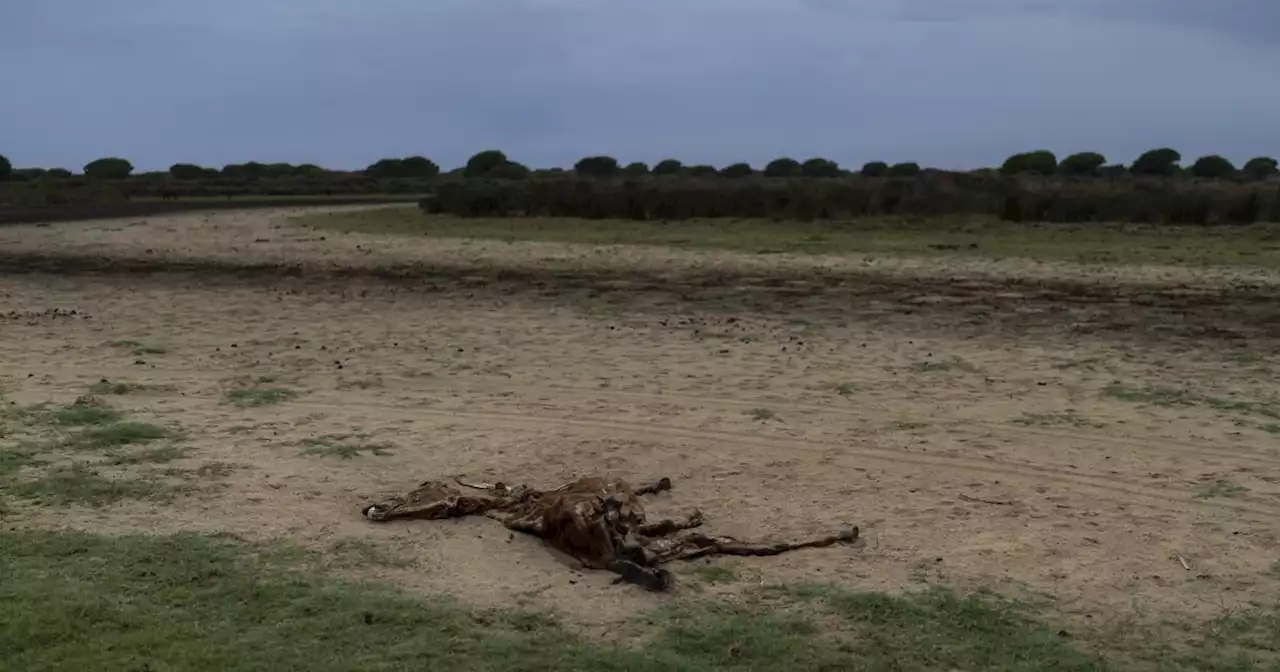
875	169
110	168
597	166
668	167
782	168
737	170
1039	162
1163	161
1212	166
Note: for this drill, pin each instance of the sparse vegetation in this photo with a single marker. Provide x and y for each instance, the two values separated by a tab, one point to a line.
206	471
936	236
255	396
948	364
1069	418
215	469
161	455
342	446
356	552
1220	488
1156	396
82	484
13	458
715	573
85	411
761	414
138	348
118	435
106	387
1168	396
360	383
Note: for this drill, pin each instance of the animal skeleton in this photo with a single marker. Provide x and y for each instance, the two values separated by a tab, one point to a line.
599	522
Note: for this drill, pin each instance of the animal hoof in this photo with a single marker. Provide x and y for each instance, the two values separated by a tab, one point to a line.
664	483
653	580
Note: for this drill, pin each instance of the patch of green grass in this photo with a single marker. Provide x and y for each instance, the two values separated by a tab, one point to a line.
105	387
215	469
926	630
138	348
1240	640
1243	406
1271	428
85	411
1069	418
13	458
1220	488
1168	396
1156	396
208	470
948	364
339	445
846	389
1086	363
356	552
80	484
715	573
760	414
946	237
161	455
118	435
251	397
194	603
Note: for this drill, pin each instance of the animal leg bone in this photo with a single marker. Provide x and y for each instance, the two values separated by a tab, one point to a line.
696	545
654	488
663	528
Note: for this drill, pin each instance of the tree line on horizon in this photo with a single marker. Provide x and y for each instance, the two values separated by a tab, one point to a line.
494	164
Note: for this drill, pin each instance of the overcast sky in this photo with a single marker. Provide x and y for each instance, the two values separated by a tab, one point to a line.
341	83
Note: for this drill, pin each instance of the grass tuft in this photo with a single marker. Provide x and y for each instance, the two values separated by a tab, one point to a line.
715	573
138	348
1068	418
14	458
85	411
105	387
339	445
252	397
1220	488
162	455
118	435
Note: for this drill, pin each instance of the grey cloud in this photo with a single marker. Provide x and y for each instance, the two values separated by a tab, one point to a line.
339	83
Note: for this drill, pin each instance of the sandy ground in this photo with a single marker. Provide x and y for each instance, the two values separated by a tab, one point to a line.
971	440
